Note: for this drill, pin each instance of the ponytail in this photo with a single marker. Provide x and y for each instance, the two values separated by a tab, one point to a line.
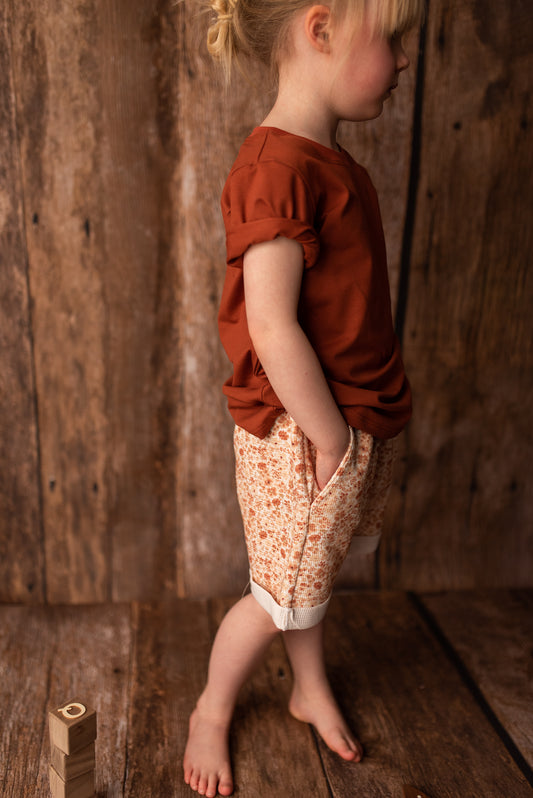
222	37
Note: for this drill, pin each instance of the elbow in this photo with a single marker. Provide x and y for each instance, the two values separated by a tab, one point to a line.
261	334
270	338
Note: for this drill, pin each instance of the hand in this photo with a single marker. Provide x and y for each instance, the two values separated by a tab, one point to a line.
327	463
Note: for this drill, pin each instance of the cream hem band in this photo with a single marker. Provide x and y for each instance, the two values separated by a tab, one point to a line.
288	618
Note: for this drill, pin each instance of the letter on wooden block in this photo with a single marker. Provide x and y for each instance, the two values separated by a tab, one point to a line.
412	792
73	765
72	726
80	787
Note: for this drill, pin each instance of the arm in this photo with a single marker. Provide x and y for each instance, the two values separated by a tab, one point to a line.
272	278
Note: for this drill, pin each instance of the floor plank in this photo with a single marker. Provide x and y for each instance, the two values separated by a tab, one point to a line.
417	720
172	642
493	634
144	665
26	653
49	655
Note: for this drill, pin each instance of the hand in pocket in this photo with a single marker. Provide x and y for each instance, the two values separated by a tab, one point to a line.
327	464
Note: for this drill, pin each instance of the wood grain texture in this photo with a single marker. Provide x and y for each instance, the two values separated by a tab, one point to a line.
493	634
56	78
417	721
47	655
22	576
95	181
464	508
142	667
172	643
117	136
135	53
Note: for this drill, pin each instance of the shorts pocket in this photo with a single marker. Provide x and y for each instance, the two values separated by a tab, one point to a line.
338	474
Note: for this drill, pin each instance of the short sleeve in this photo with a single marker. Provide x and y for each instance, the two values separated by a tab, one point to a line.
264	200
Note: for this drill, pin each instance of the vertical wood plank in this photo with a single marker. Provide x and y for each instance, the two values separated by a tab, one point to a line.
21	544
90	90
136	53
464	508
56	84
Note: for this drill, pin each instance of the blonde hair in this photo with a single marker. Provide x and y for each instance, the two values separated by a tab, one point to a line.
258	29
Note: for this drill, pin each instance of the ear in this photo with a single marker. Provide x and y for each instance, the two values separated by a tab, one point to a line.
317	23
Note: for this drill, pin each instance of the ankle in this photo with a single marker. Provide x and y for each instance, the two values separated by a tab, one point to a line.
213	709
308	688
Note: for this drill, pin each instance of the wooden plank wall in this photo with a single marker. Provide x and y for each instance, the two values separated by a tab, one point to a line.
115	443
464	513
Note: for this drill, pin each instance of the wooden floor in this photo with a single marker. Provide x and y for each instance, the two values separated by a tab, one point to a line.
438	687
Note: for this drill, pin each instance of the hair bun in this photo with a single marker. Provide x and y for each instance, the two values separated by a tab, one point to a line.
224	9
221	38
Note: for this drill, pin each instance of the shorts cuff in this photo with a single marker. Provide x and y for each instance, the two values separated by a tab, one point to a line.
286	618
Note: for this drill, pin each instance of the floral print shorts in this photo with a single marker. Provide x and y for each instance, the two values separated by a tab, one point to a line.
297	536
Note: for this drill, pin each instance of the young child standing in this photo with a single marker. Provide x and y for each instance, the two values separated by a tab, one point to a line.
318	389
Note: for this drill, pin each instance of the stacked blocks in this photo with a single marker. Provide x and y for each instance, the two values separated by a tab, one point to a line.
72	735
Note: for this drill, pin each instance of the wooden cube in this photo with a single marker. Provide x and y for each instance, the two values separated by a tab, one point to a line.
73	765
412	792
80	787
72	726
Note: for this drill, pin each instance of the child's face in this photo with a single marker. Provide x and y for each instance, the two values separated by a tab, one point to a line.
365	69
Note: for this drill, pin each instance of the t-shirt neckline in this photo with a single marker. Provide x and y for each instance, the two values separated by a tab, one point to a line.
331	154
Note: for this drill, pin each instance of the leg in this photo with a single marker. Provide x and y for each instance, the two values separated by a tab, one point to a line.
312	700
242	639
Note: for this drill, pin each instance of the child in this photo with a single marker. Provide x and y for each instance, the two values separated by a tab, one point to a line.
318	388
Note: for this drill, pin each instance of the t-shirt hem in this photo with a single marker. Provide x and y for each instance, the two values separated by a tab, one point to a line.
378	428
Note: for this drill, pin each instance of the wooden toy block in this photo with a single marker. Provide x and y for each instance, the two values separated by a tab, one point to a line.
80	787
73	765
412	792
72	726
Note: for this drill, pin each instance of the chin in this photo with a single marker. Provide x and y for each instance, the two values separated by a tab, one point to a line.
367	115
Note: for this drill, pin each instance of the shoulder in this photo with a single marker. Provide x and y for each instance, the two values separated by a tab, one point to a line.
270	176
272	156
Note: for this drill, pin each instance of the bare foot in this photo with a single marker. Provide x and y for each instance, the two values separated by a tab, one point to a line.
206	763
322	711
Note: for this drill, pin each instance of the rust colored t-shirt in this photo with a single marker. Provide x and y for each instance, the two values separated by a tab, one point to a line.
286	185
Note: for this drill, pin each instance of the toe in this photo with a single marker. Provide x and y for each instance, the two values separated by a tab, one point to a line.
345	746
225	783
348	754
211	787
193	781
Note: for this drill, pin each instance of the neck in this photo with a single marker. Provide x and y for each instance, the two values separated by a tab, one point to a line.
296	111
